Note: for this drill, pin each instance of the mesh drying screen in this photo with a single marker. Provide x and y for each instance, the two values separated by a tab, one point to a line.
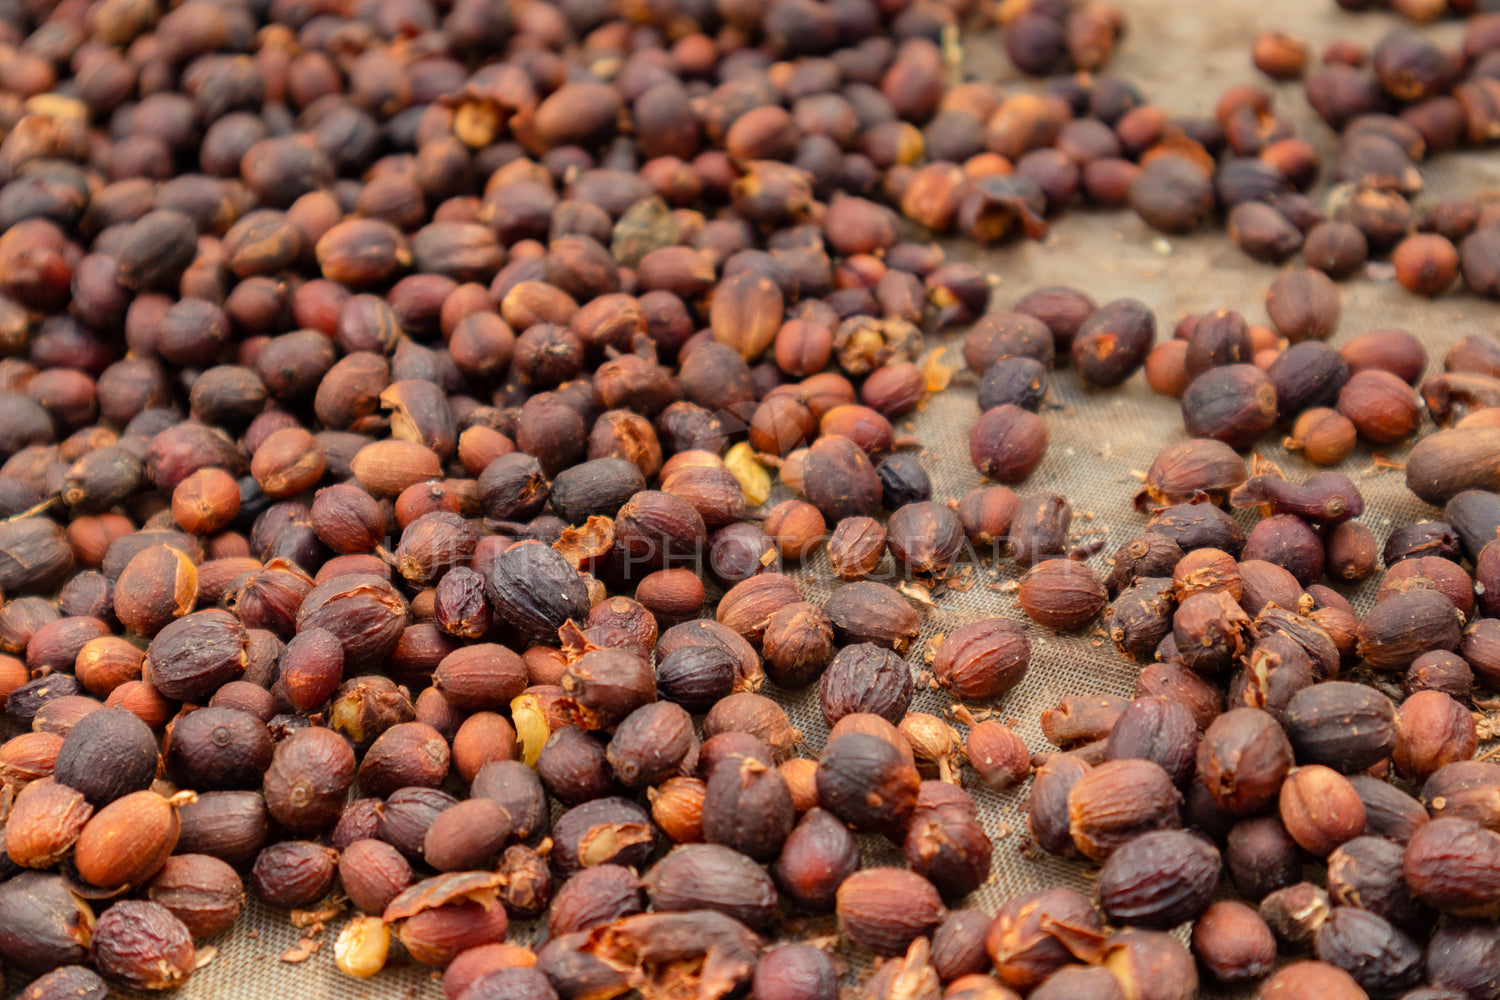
1182	55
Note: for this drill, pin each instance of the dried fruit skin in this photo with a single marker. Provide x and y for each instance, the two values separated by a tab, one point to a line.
74	982
1346	726
1320	809
108	734
1232	943
982	659
595	896
946	844
1150	555
293	874
365	612
1432	730
1243	757
1062	594
885	909
1261	857
1208	628
748	806
194	656
1406	625
436	936
717	954
1007	443
603	686
1035	934
480	677
866	781
1381	958
1446	463
533	586
749	604
231	826
34	555
157	586
818	855
218	748
406	815
1141	617
42	923
1079	719
140	944
128	841
746	314
869	612
372	873
1159	879
1366	873
1453	865
1234	404
466	836
604	831
203	892
757	716
1151	963
1462	955
1117	800
309	776
711	877
1389	812
797	645
958	944
1048	818
1173	195
440	917
925	537
866	678
856	547
44	822
840	481
1114	341
1308	978
1158	730
407	754
794	969
997	754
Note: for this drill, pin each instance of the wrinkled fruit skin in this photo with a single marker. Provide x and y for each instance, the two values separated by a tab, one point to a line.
430	431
